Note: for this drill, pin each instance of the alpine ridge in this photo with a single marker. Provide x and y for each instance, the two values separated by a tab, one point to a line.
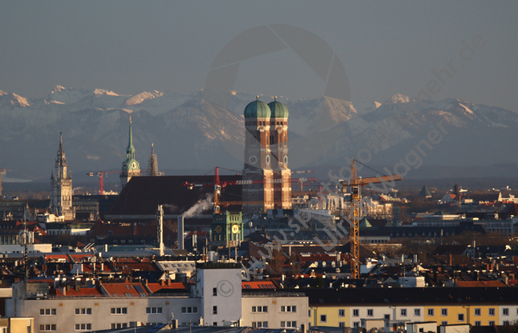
190	132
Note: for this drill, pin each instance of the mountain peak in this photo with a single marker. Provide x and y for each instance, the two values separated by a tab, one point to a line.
13	99
398	98
57	88
142	96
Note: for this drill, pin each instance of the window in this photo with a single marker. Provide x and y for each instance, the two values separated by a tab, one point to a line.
444	312
431	312
506	311
491	311
83	311
323	318
421	330
417	312
356	324
215	309
403	312
291	324
477	312
460	317
370	312
158	310
48	327
83	327
506	323
120	325
119	311
444	323
341	313
491	323
387	317
259	324
341	324
356	312
214	291
254	309
288	308
48	312
478	323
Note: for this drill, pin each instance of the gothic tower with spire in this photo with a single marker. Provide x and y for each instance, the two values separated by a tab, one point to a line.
61	186
130	167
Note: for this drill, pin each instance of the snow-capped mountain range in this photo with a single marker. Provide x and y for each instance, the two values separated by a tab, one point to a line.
193	132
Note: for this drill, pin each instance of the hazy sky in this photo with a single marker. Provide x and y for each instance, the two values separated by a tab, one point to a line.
386	47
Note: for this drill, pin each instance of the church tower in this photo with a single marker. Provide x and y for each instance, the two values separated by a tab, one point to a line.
130	167
152	169
258	173
280	159
61	186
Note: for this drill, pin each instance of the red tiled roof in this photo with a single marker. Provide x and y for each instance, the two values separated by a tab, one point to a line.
154	287
258	285
126	289
83	292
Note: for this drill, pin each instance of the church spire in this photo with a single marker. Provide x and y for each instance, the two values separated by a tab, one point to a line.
130	151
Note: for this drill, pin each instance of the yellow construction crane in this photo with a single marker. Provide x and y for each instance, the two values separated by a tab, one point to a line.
355	184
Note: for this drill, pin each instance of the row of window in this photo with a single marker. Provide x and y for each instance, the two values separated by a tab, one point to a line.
83	311
83	327
189	309
259	324
259	309
288	308
48	327
417	313
48	312
119	311
154	310
292	324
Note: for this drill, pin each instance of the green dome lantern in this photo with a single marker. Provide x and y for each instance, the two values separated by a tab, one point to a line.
279	110
257	109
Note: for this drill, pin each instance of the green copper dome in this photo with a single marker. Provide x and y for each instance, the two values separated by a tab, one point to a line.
257	109
279	110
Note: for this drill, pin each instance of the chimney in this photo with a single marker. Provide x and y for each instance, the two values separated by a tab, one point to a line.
160	229
180	229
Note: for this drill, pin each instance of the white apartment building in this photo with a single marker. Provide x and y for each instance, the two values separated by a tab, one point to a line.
216	300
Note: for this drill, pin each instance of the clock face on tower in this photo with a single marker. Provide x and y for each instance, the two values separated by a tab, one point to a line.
124	165
235	229
252	159
267	159
134	165
285	159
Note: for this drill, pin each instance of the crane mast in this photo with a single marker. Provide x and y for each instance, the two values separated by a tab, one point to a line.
354	186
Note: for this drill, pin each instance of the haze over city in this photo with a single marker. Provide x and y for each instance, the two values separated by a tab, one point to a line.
134	46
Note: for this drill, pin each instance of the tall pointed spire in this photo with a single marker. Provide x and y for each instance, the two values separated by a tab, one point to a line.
130	167
130	151
61	185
